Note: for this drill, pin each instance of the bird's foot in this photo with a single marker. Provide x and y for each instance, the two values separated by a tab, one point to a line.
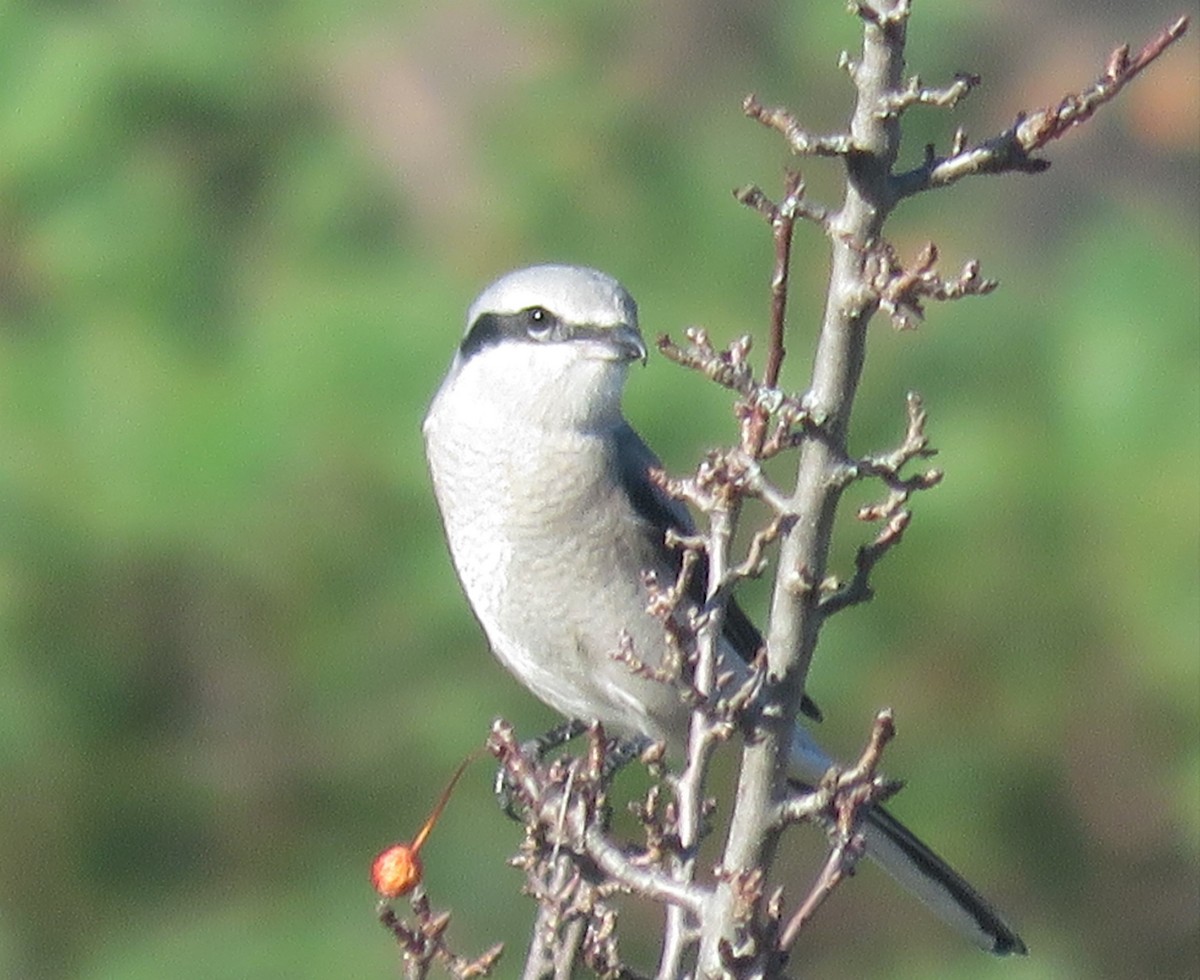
536	748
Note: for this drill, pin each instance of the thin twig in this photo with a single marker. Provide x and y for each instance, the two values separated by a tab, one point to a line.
842	858
858	589
787	125
1011	150
901	290
915	94
782	218
424	944
848	792
783	227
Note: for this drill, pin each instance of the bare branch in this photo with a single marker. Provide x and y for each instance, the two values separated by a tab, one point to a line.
901	291
716	480
637	879
882	732
423	944
794	205
885	467
915	94
859	588
753	565
757	485
845	794
782	218
728	368
914	446
801	141
564	804
1011	150
1040	127
731	369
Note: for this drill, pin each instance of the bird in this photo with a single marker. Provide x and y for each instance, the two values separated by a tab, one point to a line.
553	518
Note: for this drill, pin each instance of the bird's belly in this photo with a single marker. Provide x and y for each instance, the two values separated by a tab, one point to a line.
553	575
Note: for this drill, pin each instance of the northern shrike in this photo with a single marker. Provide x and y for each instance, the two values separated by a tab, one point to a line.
552	519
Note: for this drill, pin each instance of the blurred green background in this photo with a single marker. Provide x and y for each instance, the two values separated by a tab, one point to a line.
236	244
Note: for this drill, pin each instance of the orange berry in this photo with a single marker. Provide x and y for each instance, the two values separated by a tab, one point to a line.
396	871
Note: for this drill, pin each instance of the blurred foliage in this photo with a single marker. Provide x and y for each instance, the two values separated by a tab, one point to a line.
236	241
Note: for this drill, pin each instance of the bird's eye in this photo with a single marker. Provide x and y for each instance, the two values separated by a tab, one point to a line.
540	323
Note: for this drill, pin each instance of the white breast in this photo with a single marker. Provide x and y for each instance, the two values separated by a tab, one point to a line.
544	540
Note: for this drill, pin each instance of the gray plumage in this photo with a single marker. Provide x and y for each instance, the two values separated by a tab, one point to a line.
551	519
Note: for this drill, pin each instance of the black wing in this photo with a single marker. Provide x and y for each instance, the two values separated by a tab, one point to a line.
661	511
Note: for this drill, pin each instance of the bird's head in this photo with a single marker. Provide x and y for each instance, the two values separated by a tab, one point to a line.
552	342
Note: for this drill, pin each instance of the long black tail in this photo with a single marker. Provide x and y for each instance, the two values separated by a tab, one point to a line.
925	875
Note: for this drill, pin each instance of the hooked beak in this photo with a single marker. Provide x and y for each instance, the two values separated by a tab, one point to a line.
617	343
627	342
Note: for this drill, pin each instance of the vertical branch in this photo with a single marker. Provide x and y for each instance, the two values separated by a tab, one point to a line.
837	367
783	227
704	731
555	943
841	351
782	218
